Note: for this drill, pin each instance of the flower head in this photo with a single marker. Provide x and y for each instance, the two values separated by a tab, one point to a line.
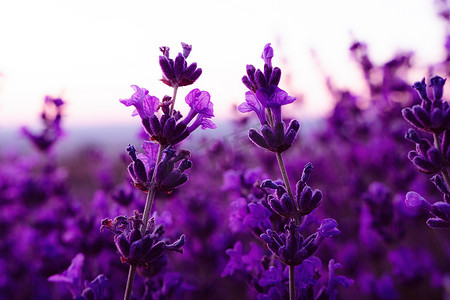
177	72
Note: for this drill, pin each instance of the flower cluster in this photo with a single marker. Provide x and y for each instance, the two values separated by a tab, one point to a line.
292	248
431	156
169	129
167	177
136	248
306	200
265	98
177	72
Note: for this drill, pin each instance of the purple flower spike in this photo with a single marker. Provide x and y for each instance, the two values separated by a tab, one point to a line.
328	228
145	104
267	55
178	73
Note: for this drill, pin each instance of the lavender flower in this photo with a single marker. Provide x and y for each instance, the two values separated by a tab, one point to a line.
170	129
305	199
292	248
265	98
136	248
72	278
177	72
51	116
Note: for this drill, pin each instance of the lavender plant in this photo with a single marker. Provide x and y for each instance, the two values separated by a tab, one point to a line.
432	155
290	247
162	168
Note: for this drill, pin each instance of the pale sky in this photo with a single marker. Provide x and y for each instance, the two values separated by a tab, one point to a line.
91	51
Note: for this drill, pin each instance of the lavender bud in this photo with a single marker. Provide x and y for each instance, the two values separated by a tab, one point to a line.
421	89
437	83
256	138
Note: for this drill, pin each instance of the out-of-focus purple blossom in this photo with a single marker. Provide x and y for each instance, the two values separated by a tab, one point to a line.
73	279
307	273
334	281
177	72
267	55
51	117
235	262
258	216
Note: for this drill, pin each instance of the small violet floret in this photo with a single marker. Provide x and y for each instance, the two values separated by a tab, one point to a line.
145	104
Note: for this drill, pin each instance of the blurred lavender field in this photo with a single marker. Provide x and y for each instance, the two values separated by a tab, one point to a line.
371	177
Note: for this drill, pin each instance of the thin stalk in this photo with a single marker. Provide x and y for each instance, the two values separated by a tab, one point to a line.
291	283
130	280
175	89
444	171
285	176
148	208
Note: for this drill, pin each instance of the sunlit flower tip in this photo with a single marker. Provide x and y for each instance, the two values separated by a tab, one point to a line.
178	73
437	83
414	200
186	49
421	88
328	228
267	55
268	183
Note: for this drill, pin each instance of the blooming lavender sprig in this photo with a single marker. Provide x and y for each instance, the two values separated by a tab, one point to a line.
162	170
265	98
431	157
136	248
177	72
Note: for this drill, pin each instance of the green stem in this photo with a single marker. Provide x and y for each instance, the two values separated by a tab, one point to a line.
285	177
175	89
148	207
291	283
129	287
444	171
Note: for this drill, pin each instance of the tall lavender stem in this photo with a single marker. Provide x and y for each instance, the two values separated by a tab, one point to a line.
444	171
147	209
